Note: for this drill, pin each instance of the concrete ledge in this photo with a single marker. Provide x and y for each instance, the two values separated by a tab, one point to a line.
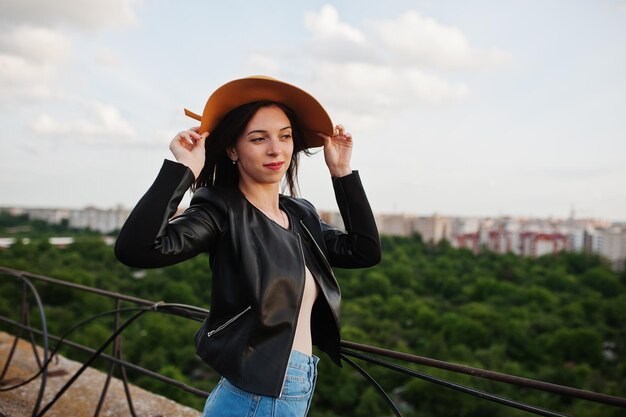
81	399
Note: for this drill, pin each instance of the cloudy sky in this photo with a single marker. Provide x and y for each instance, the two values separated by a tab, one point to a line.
457	108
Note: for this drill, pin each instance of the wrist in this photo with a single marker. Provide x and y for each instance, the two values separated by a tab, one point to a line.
194	168
340	172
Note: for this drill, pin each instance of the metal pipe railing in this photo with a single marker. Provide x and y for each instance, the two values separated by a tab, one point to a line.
115	361
494	376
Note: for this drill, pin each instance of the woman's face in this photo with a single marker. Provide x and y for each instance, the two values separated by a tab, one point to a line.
264	149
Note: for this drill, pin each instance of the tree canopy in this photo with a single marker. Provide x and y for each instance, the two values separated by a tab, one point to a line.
557	318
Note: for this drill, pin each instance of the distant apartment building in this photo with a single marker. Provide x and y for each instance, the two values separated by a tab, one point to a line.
502	241
101	220
469	241
578	238
463	225
611	243
51	216
521	237
395	224
431	228
538	244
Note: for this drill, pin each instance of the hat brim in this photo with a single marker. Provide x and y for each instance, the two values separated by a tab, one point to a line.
311	115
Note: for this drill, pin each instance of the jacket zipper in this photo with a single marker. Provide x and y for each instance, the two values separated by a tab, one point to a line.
228	323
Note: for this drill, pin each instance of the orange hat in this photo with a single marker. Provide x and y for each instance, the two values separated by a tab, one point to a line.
311	115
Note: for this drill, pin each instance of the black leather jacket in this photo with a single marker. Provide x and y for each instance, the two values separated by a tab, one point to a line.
257	265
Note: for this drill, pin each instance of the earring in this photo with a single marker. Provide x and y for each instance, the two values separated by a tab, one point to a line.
234	161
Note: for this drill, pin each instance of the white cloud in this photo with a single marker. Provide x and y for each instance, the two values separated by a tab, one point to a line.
333	39
30	60
84	14
36	44
16	69
21	79
415	39
371	88
101	121
35	47
434	89
326	24
359	71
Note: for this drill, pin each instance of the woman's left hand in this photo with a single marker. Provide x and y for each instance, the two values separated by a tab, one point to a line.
337	151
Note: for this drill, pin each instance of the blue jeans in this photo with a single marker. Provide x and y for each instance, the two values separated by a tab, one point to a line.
227	400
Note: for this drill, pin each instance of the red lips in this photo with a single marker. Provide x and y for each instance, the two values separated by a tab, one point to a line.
274	165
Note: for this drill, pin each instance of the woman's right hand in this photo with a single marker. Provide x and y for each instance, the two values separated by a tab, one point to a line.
188	149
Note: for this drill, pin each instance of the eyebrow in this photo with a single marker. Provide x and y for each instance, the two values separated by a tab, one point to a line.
265	131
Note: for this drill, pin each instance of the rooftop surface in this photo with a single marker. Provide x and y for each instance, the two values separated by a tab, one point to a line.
81	399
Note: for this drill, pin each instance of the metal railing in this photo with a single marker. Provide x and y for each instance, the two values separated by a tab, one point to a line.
141	306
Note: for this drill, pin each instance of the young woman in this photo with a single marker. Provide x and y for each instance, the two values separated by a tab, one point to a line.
274	294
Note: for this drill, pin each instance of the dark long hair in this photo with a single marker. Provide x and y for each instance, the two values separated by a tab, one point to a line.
219	170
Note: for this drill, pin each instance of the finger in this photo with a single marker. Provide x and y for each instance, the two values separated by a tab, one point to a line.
195	135
185	139
197	129
345	140
183	136
324	136
342	137
341	130
327	139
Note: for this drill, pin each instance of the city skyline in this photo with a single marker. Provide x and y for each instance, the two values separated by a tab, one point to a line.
121	207
520	236
478	110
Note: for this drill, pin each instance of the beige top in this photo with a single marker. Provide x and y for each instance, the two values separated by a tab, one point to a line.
302	341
